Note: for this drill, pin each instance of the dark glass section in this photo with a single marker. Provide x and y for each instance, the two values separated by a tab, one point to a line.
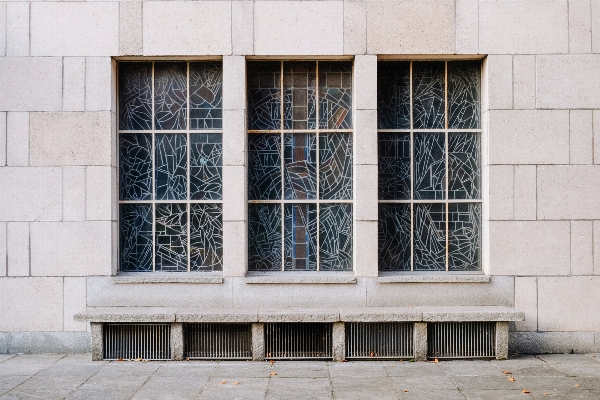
171	166
135	237
170	95
300	226
264	95
171	237
206	237
428	95
299	95
394	237
430	166
264	167
264	237
300	166
135	96
335	237
393	95
464	166
464	224
206	155
335	95
394	166
464	105
135	166
335	169
429	237
206	96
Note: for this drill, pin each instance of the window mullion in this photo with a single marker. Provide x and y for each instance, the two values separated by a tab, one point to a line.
153	184
446	161
412	163
282	161
318	161
189	148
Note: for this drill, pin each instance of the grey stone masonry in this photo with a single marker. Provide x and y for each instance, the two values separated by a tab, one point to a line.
258	342
97	340
177	341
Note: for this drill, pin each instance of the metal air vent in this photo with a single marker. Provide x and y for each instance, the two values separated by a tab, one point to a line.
365	340
131	341
218	341
461	340
298	341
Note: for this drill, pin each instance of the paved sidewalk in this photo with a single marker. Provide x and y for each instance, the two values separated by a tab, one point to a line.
58	376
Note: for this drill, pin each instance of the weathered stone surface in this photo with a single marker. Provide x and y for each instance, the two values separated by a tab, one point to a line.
429	278
525	196
338	339
101	195
524	82
57	343
596	129
234	248
459	313
298	315
99	84
286	278
595	16
501	340
234	84
17	29
467	26
74	301
548	342
97	341
234	138
366	248
355	27
126	314
176	341
17	139
581	137
152	277
500	82
365	137
580	26
242	21
2	134
365	198
73	193
130	28
501	189
420	341
582	252
258	342
3	245
380	314
3	29
365	82
74	83
526	296
234	185
224	315
17	248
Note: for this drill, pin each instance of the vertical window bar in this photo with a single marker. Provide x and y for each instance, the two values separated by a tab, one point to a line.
153	184
446	161
282	165
412	185
318	156
188	172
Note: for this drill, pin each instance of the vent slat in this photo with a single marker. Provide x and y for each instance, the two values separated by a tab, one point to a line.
298	341
131	341
461	340
366	340
218	341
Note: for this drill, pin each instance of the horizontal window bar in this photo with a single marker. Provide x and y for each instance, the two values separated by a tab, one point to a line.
429	130
303	131
175	131
299	201
169	201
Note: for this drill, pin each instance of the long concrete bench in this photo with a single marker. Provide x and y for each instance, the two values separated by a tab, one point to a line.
420	316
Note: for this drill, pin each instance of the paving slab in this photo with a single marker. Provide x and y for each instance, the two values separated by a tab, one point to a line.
566	359
431	395
495	394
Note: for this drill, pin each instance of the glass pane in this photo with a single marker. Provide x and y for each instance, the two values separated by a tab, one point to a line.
464	224
264	95
299	105
206	153
300	237
171	237
300	168
135	237
464	107
393	95
206	237
394	237
264	237
464	166
430	237
335	237
428	95
135	166
335	169
264	167
135	96
430	166
206	96
171	166
394	166
335	95
170	95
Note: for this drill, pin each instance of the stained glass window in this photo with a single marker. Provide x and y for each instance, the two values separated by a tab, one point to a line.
170	166
300	166
429	165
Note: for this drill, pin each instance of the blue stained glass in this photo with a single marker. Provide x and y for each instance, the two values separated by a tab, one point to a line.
264	237
335	171
264	95
429	237
206	95
135	96
299	105
394	237
464	224
170	95
264	167
394	166
464	166
464	105
335	237
171	237
300	168
300	225
135	237
393	95
206	237
135	166
429	166
206	155
335	95
428	95
171	166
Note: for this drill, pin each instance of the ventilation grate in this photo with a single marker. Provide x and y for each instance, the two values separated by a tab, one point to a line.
298	341
461	340
218	341
379	340
131	341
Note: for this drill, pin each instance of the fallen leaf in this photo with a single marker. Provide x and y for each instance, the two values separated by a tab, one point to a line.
272	362
138	359
223	382
435	360
525	391
187	359
372	354
511	379
406	391
273	373
506	372
577	385
546	394
236	383
120	359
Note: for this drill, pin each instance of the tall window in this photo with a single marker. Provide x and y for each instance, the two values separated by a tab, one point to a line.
170	186
300	166
429	166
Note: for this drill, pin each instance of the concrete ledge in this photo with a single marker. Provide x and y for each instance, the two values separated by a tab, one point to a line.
380	314
302	277
299	315
170	278
467	314
412	278
126	314
225	315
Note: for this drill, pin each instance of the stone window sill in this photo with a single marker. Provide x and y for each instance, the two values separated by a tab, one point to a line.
174	277
433	278
301	277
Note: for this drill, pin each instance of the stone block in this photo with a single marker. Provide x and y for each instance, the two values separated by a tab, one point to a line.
596	244
85	138
176	341
526	301
234	248
366	248
101	195
581	137
17	139
467	26
59	342
130	28
543	342
258	342
70	248
338	339
500	85
580	26
568	303
525	197
298	27
530	247
17	29
529	137
74	83
568	81
2	136
355	27
242	18
234	83
365	196
523	82
31	304
234	187
523	27
97	341
501	203
180	277
380	314
365	137
298	315
125	314
305	277
99	84
37	197
75	29
2	31
420	341
501	340
234	138
216	315
564	192
17	248
73	193
174	27
442	277
365	82
582	262
464	314
595	15
3	245
596	133
74	301
31	83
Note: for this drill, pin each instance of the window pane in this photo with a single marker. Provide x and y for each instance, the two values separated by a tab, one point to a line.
393	95
394	237
300	168
206	237
430	166
135	96
170	95
335	237
464	220
394	166
135	237
430	236
135	166
205	166
264	95
428	95
464	107
171	166
299	105
300	226
335	95
171	237
335	169
464	173
264	167
206	96
264	237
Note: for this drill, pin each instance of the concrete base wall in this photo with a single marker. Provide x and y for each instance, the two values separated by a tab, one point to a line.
45	342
